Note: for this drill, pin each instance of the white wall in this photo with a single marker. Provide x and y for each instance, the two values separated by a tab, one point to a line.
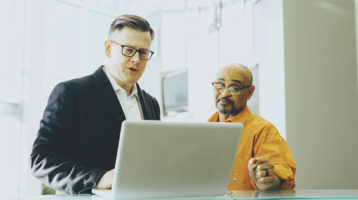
268	48
150	80
33	103
321	92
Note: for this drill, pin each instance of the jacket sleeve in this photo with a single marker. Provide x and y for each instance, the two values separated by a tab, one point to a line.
53	153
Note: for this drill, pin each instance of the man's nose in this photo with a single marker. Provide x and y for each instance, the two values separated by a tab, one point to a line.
225	92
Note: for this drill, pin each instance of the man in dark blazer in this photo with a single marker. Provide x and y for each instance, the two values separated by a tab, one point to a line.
76	145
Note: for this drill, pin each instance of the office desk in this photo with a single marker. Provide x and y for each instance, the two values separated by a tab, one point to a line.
283	194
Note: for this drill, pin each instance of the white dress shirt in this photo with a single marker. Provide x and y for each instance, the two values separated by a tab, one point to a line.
130	104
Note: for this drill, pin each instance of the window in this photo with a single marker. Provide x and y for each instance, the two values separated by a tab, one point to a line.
43	43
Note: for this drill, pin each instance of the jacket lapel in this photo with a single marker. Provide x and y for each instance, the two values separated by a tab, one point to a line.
107	93
143	104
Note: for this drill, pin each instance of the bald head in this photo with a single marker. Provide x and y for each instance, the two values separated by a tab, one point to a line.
233	88
236	72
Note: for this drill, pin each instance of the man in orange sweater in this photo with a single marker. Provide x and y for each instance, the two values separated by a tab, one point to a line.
264	160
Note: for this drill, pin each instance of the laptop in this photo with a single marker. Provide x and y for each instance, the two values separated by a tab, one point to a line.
174	159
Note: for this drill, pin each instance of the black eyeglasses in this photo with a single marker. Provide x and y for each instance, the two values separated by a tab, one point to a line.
130	51
233	89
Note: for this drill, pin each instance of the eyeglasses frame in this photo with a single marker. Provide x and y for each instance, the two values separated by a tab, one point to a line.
228	87
136	50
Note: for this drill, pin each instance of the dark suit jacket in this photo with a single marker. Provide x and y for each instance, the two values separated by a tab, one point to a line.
79	133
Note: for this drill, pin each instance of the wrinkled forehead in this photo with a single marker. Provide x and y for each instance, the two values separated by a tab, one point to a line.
233	75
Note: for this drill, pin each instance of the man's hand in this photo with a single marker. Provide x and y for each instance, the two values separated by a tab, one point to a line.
106	180
262	173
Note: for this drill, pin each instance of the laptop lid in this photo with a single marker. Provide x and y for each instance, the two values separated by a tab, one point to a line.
175	159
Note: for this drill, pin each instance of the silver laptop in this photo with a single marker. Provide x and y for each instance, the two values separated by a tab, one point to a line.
174	159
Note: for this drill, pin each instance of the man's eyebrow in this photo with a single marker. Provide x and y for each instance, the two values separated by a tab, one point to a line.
237	81
220	79
143	49
140	49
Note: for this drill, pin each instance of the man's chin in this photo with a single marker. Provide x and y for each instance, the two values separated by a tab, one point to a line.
224	112
228	111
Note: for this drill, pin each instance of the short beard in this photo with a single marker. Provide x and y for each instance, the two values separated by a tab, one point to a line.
233	110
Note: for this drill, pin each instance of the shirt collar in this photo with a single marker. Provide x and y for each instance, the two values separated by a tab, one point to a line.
241	117
115	85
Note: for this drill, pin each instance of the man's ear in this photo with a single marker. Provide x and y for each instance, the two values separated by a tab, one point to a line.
251	91
107	48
